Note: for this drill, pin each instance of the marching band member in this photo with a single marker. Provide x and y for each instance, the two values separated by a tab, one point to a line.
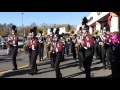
53	52
34	47
67	45
96	44
105	49
28	44
48	41
73	42
108	49
80	49
41	45
88	44
59	48
63	51
14	42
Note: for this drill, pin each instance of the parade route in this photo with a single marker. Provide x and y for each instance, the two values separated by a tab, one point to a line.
69	69
25	66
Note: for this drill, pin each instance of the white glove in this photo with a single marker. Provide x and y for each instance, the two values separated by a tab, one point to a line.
33	48
88	44
56	49
13	42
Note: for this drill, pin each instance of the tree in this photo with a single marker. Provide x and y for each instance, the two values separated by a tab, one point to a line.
68	27
33	24
27	29
4	35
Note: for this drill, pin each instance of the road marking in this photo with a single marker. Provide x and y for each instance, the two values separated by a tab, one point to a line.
7	71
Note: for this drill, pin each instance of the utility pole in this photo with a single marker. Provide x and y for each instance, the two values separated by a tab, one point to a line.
22	24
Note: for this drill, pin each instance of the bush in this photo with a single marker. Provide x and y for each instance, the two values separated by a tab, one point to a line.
4	35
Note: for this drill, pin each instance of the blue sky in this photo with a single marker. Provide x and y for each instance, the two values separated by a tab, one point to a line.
72	18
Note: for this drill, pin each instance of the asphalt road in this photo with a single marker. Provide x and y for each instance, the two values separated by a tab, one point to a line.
69	68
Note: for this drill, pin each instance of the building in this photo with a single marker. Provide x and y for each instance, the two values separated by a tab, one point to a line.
61	30
97	19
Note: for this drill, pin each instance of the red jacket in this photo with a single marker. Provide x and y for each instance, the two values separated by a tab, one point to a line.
108	36
34	43
89	39
59	47
15	40
54	47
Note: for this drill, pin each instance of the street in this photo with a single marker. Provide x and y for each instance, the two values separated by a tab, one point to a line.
69	68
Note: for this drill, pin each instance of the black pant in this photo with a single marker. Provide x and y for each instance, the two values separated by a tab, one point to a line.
88	56
33	61
96	50
57	63
74	52
30	55
14	54
80	58
67	50
100	54
41	50
106	56
63	51
10	49
53	59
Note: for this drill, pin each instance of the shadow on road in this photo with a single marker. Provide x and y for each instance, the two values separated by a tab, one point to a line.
96	68
74	75
73	64
8	60
44	63
98	62
15	73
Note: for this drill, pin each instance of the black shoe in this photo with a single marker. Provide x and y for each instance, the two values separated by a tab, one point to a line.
74	58
101	61
59	76
14	69
109	67
104	67
29	65
32	73
52	67
35	72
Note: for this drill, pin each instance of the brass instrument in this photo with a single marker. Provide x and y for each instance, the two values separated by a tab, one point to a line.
102	43
95	33
48	47
72	31
26	47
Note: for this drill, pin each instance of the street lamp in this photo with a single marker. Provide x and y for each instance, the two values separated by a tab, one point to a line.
22	23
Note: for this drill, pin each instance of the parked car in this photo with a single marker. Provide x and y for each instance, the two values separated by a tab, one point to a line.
3	43
0	42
